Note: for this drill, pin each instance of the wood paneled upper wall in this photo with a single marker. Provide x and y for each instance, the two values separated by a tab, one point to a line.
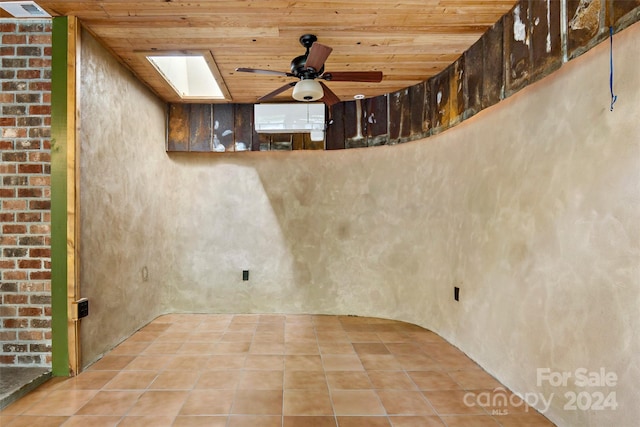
523	46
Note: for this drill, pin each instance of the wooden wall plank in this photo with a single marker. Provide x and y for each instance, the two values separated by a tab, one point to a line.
200	132
354	130
517	42
376	120
335	129
546	47
493	65
179	125
243	126
473	73
223	127
418	104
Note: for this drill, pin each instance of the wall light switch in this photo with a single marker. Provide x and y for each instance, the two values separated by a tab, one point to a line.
245	275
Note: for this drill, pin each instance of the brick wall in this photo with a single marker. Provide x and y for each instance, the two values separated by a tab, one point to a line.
25	193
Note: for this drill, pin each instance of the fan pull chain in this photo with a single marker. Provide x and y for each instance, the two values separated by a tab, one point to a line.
614	98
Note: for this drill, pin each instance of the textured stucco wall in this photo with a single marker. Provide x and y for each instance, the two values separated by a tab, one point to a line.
121	152
532	208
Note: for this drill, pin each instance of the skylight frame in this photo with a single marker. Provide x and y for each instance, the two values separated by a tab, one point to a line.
223	93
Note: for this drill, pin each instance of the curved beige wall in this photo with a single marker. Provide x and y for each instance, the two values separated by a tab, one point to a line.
532	208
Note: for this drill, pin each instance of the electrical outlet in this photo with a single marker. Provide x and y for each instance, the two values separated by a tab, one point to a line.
456	293
81	308
245	275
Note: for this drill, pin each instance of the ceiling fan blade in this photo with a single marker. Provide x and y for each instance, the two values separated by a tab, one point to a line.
277	91
329	97
318	53
270	72
353	76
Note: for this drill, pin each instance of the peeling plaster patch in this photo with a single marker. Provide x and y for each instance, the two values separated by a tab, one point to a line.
586	16
519	29
439	97
372	118
227	132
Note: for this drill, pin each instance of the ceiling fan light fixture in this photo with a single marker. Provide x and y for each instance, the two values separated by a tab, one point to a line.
308	90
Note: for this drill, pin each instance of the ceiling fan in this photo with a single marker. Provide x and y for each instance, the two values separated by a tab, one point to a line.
309	68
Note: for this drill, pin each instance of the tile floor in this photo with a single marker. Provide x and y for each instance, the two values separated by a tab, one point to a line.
274	370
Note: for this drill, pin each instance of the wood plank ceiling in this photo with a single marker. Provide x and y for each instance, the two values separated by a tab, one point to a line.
408	40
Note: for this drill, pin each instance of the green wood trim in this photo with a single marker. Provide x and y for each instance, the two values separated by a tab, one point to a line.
59	336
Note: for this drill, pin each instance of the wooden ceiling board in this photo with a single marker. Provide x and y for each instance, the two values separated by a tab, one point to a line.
409	41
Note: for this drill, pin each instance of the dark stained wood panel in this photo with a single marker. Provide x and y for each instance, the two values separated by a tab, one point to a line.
376	120
179	125
335	127
200	132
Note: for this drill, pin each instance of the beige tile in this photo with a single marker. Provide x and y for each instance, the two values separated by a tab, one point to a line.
219	379
167	347
403	348
237	337
341	362
187	363
416	421
257	402
305	380
417	362
307	402
370	348
234	347
261	380
159	402
223	362
353	421
301	348
131	348
175	380
309	421
349	380
356	402
149	363
470	421
208	402
474	379
61	402
200	421
255	421
391	380
110	403
452	402
21	405
265	347
88	380
111	363
91	420
146	421
39	421
337	348
303	363
433	380
195	347
403	402
131	380
264	361
380	362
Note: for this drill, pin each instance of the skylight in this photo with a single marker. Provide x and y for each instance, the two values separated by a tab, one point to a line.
191	76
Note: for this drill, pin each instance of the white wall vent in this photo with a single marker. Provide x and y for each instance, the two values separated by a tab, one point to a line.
24	9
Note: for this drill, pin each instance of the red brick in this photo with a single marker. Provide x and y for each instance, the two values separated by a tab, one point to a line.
29	311
29	263
14	299
14	205
39	63
40	86
7	360
6	98
8	240
29	74
40	156
15	323
6	264
40	39
40	275
7	27
29	217
30	192
43	110
14	275
7	336
40	204
14	39
40	253
29	168
6	193
30	335
6	311
14	229
7	121
40	229
40	181
8	168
